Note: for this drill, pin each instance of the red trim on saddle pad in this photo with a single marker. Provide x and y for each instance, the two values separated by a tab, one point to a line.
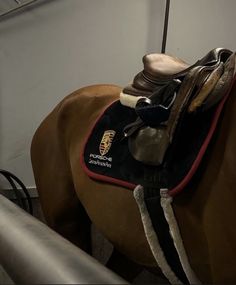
174	191
204	146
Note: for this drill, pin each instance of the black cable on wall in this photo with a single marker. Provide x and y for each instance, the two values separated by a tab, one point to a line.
21	199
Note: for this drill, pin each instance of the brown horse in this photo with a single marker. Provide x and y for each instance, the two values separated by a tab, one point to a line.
70	199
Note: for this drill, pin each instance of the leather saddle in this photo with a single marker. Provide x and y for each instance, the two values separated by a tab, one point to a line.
165	91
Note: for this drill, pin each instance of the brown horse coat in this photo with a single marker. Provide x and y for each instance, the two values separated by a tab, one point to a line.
206	214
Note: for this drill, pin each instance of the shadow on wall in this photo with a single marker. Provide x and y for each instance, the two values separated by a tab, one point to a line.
156	16
27	6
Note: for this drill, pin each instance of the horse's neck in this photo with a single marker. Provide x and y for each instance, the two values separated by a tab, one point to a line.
206	213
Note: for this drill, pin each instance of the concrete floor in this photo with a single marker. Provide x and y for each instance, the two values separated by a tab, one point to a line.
101	251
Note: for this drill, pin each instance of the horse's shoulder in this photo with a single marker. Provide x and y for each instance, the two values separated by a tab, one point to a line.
78	110
88	93
86	98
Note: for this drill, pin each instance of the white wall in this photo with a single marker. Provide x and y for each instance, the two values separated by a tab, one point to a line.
54	48
196	26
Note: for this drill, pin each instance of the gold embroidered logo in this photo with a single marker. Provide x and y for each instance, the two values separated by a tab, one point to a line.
106	141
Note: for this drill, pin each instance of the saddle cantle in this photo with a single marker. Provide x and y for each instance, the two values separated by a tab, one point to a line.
166	92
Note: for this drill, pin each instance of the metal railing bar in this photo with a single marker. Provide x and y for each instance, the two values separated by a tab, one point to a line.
32	253
165	29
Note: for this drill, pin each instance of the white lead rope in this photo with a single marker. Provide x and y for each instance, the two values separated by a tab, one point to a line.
166	201
153	239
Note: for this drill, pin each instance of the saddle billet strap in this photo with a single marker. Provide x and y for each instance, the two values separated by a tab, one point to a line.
209	84
195	78
197	75
222	84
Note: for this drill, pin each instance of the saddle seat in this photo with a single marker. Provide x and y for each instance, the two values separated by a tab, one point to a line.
165	91
163	65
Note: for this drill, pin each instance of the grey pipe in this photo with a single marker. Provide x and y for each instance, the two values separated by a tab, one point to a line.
32	253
